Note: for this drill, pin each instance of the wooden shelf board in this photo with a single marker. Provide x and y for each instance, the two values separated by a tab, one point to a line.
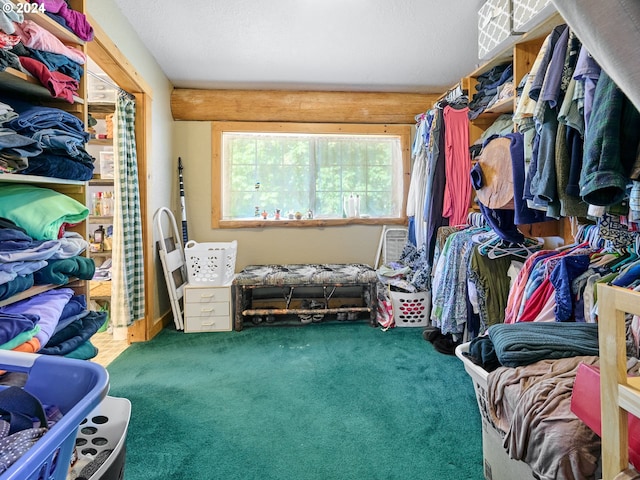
629	399
35	179
101	182
100	297
107	142
503	106
105	220
100	254
101	107
35	290
15	80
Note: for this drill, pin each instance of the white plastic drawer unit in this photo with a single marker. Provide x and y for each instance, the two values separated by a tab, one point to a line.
199	294
207	309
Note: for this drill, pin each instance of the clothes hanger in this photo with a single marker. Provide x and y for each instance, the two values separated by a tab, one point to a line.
579	237
493	246
484	236
630	256
523	250
476	219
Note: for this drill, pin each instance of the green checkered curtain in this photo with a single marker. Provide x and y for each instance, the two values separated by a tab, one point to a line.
127	302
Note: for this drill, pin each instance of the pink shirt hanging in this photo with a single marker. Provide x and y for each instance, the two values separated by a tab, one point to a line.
457	191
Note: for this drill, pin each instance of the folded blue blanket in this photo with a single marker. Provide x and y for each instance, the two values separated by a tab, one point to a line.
74	334
58	272
17	285
58	166
528	342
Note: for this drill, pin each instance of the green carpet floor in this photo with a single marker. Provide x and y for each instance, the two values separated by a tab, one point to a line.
327	401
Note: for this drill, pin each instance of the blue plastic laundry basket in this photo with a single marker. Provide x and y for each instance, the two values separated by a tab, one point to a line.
76	387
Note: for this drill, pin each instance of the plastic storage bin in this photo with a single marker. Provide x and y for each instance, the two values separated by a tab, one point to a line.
528	14
76	387
211	263
495	28
105	431
411	309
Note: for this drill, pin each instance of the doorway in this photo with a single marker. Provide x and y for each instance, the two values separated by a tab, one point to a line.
113	64
101	107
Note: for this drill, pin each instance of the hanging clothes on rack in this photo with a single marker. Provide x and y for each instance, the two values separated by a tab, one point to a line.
417	196
449	294
436	182
470	285
560	285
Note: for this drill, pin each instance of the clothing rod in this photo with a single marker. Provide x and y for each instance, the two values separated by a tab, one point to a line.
457	89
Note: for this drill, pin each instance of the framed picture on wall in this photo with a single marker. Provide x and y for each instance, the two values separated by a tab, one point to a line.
107	167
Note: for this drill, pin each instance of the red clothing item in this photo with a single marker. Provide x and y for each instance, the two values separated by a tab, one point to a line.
457	189
59	84
534	304
517	290
8	41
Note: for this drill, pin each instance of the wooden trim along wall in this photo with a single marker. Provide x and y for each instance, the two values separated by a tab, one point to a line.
299	106
218	128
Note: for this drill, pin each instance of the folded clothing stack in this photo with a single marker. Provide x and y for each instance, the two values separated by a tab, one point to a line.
103	272
487	88
59	137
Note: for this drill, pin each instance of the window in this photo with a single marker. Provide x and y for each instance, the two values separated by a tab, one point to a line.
266	172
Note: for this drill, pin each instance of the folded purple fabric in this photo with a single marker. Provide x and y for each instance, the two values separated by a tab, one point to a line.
76	21
13	324
47	305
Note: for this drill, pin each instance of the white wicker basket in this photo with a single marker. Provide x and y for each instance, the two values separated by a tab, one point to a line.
211	263
411	309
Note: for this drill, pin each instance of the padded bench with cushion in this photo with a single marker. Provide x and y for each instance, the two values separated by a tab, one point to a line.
309	291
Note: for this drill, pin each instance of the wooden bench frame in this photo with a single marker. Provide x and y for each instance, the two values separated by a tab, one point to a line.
244	301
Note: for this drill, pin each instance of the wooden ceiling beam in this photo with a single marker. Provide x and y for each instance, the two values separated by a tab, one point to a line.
298	106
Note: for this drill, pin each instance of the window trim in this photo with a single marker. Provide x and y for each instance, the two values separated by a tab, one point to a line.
218	128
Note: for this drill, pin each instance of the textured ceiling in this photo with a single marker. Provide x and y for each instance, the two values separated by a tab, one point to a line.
356	45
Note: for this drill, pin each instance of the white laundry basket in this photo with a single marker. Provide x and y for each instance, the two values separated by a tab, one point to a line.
104	431
498	464
210	263
411	309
